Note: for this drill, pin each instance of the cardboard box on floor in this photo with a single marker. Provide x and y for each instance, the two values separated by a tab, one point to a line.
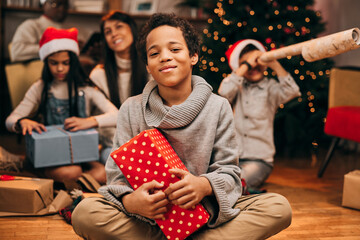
351	191
31	197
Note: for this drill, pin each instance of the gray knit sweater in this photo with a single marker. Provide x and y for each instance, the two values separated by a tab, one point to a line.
201	131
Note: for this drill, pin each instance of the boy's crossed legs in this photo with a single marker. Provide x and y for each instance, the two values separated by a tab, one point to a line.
261	216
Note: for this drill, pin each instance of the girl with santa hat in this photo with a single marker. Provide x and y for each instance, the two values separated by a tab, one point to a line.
47	101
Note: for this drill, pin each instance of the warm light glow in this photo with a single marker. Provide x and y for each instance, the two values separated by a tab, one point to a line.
205	31
224	75
302	63
222	59
276	12
281	106
210	20
252	12
288	57
209	51
266	73
272	45
203	61
223	39
204	48
311	104
211	64
321	73
299	99
239	24
297	34
254	29
226	22
296	71
296	8
307	19
279	26
302	77
270	28
312	110
216	38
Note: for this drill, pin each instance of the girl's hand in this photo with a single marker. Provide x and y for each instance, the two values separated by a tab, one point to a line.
147	201
189	191
27	126
74	124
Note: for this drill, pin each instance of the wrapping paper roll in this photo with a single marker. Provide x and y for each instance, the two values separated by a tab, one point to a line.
319	48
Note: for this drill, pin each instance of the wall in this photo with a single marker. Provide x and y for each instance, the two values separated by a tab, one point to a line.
341	15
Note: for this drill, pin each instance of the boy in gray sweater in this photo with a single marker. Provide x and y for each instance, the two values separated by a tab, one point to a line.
199	126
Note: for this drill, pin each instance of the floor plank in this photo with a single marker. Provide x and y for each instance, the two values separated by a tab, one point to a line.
316	202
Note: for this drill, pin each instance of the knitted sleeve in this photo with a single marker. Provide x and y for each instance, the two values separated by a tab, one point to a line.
224	173
231	86
99	101
24	45
283	91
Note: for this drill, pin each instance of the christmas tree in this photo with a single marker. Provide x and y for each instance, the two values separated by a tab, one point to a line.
275	23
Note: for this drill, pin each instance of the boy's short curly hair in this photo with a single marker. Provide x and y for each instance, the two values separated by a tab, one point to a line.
160	19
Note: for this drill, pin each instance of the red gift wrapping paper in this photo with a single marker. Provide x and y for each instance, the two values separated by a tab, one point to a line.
149	156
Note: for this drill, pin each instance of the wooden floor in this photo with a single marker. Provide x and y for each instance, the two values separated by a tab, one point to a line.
316	203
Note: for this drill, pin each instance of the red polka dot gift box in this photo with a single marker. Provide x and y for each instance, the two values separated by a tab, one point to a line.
149	156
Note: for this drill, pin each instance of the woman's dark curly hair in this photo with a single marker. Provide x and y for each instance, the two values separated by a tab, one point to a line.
160	19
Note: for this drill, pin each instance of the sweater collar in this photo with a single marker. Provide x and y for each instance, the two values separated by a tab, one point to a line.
121	63
158	115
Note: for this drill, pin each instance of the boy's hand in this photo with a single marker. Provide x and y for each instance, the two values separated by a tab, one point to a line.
147	201
189	191
27	126
252	58
74	124
275	66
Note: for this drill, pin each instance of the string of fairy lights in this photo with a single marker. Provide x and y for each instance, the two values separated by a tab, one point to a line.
289	28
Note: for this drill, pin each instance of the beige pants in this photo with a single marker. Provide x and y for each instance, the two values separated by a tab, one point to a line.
261	216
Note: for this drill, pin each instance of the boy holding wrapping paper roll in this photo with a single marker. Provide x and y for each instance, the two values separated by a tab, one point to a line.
199	126
255	99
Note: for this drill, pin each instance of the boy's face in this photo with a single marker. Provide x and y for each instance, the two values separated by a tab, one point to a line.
256	73
169	61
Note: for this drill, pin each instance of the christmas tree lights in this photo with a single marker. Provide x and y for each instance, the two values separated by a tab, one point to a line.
275	23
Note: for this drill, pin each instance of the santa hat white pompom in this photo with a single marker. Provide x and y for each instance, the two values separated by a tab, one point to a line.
234	52
54	40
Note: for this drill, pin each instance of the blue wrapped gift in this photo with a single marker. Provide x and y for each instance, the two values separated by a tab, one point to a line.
58	147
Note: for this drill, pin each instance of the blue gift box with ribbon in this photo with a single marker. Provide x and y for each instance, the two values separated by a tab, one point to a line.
58	147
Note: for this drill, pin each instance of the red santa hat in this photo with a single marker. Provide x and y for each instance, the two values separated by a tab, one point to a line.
234	52
54	40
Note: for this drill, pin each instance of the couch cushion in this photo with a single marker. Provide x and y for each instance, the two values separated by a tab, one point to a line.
344	122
